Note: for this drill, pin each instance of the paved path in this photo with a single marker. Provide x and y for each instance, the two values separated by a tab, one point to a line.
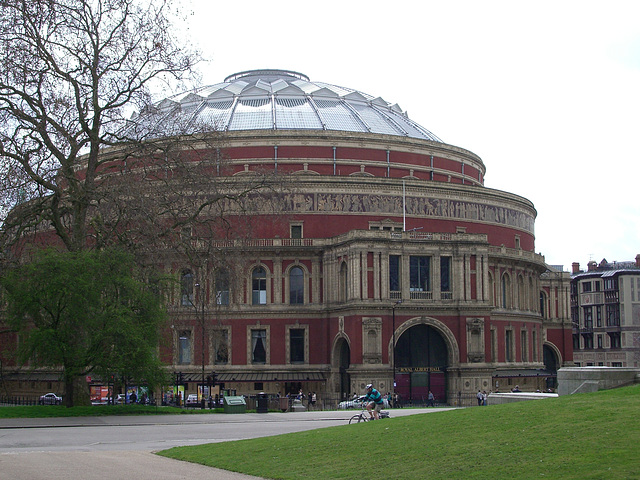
62	448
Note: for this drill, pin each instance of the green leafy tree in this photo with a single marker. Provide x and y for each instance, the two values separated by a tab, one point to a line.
85	313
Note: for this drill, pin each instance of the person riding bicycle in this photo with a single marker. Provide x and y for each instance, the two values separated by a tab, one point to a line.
374	402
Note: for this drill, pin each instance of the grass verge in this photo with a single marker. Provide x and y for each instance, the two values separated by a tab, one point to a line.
586	436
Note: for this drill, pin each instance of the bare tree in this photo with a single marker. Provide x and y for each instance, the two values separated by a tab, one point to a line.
70	71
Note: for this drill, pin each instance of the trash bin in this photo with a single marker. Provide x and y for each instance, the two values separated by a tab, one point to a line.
262	403
284	404
233	404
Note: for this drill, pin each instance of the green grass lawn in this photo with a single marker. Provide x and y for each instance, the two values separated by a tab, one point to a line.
586	436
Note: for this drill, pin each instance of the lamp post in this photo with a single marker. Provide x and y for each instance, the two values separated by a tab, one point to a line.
201	293
393	346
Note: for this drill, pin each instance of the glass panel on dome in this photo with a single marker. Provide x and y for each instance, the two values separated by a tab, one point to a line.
252	115
296	113
376	122
409	126
216	114
338	117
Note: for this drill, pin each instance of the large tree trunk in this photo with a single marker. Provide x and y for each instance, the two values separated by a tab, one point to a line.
76	392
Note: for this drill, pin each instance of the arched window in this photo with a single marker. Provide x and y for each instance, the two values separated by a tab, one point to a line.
296	286
522	303
186	288
259	286
343	288
506	291
543	304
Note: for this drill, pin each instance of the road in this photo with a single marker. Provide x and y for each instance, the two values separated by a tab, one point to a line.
91	448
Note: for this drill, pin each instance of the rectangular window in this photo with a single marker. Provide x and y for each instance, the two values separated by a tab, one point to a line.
613	315
615	339
394	273
445	274
586	287
222	287
599	316
258	386
419	269
588	317
599	340
588	341
523	346
296	345
184	347
576	342
259	346
616	364
296	231
508	342
221	347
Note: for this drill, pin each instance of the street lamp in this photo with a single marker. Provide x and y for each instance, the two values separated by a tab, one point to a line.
201	293
393	346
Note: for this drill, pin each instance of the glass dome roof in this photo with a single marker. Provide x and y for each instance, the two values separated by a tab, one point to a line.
281	100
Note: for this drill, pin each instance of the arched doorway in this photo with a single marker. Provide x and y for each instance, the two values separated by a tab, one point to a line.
342	357
421	358
550	365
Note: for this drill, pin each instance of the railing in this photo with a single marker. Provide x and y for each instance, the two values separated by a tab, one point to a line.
18	400
421	295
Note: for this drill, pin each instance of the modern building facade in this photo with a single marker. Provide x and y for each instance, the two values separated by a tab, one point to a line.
388	262
605	313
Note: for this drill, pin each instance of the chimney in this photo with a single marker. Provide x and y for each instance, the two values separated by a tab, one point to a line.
592	266
638	260
575	267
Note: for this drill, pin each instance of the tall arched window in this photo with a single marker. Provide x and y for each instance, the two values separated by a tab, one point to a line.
343	292
522	301
259	286
186	288
506	291
296	286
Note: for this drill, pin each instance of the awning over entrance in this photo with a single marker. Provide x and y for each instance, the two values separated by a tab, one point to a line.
515	373
272	377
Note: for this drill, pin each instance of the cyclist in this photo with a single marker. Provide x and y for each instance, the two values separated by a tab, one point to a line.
374	402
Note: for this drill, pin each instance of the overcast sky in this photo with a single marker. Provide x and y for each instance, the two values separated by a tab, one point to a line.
547	93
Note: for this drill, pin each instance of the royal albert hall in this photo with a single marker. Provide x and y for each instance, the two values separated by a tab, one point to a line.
388	261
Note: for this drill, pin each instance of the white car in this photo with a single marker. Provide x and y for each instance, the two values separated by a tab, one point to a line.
353	403
50	399
192	400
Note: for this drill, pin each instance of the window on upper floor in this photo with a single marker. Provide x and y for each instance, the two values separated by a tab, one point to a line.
296	286
184	347
222	287
220	343
419	274
258	346
586	287
445	274
186	288
259	286
394	273
296	345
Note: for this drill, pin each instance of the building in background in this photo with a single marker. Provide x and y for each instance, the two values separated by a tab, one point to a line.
387	262
605	313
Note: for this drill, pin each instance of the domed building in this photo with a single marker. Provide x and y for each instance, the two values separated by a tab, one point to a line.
389	263
386	261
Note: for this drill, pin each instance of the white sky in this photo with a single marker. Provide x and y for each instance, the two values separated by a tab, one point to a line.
547	93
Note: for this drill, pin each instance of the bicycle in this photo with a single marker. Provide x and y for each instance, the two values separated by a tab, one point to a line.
363	416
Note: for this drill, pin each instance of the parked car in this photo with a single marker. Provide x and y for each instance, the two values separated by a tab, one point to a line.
50	399
353	403
192	400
